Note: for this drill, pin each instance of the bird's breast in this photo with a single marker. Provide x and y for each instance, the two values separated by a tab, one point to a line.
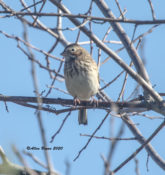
81	80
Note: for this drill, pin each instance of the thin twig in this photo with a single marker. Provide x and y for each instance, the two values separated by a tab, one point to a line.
16	38
91	137
141	147
118	5
44	1
62	124
23	161
35	159
110	139
33	5
137	166
108	84
39	103
54	79
152	10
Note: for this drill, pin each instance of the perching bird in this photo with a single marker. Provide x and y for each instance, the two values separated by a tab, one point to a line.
81	76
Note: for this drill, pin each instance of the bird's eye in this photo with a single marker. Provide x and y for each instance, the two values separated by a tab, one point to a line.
72	49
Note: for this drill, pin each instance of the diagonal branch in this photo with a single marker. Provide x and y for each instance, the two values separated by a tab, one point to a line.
145	144
125	40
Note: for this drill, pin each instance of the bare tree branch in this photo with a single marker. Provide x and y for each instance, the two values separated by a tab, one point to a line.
116	58
145	143
90	18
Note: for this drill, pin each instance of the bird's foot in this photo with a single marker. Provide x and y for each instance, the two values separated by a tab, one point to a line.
94	102
76	101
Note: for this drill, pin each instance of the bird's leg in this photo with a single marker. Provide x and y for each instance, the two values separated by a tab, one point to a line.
94	101
76	101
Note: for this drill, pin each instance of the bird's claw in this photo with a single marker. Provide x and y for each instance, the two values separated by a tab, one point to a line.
94	102
76	101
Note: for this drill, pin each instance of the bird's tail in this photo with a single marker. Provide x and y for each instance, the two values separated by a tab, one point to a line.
82	117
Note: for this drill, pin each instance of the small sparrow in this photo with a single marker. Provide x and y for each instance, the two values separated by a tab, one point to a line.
81	76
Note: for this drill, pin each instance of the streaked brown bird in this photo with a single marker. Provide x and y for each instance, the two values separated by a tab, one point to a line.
81	76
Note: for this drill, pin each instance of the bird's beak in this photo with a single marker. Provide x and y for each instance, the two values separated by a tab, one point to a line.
63	53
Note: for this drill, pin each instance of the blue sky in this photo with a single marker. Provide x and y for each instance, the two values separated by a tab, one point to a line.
19	126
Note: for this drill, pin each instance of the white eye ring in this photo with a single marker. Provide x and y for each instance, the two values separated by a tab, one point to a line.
72	49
